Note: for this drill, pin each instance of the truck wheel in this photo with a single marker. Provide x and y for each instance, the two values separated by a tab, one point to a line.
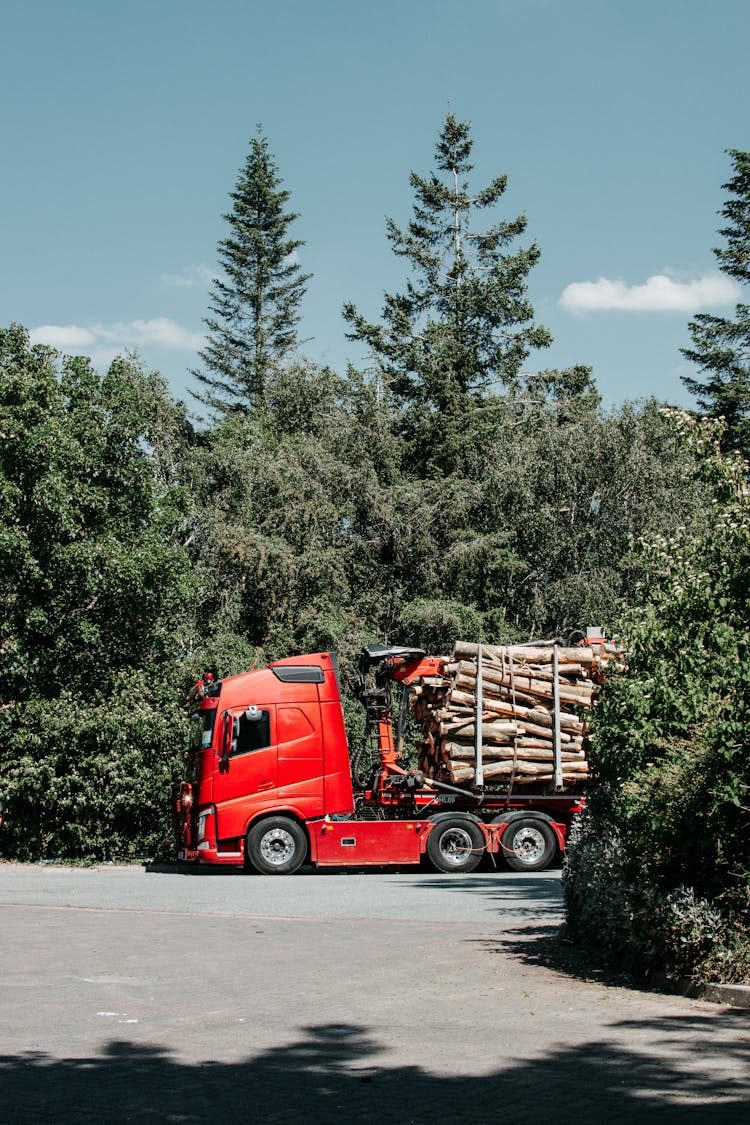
528	844
455	845
277	846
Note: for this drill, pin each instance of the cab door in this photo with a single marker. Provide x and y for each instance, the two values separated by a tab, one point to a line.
246	770
300	763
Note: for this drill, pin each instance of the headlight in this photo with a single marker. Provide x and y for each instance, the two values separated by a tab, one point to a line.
202	822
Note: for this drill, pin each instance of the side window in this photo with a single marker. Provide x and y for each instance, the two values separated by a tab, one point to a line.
255	734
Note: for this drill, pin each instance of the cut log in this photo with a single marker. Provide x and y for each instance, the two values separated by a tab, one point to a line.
518	720
529	654
525	688
491	732
455	751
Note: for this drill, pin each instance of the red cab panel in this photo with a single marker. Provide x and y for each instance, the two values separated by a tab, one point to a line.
300	744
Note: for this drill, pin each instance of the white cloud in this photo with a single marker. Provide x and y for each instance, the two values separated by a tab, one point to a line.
108	340
102	357
160	330
190	277
62	336
658	294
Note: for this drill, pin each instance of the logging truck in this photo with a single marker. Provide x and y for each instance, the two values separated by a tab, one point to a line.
500	772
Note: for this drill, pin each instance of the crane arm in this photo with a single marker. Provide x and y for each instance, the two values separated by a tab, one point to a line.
378	666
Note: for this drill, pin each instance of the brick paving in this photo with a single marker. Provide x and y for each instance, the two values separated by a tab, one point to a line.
139	1010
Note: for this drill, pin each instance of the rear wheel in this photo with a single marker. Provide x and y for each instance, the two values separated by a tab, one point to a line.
277	846
455	845
528	844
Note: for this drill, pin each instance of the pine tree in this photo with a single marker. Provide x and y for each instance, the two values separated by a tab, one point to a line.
735	259
721	347
255	304
464	321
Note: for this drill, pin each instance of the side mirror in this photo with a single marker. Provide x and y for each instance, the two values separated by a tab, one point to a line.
229	737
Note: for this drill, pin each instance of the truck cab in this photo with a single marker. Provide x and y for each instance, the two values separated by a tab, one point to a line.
270	741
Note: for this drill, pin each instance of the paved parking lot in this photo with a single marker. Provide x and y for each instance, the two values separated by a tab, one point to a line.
129	995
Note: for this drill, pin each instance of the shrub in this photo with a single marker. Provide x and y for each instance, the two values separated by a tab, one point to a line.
89	779
658	869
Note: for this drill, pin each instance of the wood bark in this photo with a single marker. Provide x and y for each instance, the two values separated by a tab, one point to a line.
517	719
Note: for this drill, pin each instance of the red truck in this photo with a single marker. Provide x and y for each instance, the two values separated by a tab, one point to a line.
272	785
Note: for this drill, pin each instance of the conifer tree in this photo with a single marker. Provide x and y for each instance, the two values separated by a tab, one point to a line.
464	321
721	347
255	303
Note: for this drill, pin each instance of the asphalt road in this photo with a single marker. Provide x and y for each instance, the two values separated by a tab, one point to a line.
129	995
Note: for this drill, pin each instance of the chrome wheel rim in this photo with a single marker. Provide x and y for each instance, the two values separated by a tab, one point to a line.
456	846
277	847
528	845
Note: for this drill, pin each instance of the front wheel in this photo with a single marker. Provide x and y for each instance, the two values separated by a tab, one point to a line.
277	846
455	845
528	844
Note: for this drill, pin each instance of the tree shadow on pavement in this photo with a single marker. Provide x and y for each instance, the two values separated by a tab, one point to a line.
552	947
521	894
331	1073
548	945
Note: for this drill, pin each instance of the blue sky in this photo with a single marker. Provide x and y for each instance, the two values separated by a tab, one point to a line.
124	127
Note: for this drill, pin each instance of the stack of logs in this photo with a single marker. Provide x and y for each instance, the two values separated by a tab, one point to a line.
518	713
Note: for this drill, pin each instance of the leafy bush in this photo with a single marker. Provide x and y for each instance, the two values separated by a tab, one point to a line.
435	624
658	871
616	903
89	779
95	593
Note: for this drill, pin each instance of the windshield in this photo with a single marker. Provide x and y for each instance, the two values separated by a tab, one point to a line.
201	730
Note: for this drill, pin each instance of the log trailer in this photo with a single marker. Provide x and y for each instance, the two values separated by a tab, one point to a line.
272	785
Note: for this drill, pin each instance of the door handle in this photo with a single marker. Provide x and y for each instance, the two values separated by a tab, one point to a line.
265	785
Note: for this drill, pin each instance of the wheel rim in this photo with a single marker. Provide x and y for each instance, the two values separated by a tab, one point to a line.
277	847
528	845
456	846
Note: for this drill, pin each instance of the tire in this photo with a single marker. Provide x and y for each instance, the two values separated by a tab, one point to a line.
455	845
277	846
528	844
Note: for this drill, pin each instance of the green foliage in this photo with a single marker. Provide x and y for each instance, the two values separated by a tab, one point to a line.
434	625
94	589
734	258
523	494
255	302
91	578
721	347
274	542
89	778
581	487
672	746
222	654
464	321
614	903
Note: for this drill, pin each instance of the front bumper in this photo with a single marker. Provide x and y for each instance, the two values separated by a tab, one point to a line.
210	855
